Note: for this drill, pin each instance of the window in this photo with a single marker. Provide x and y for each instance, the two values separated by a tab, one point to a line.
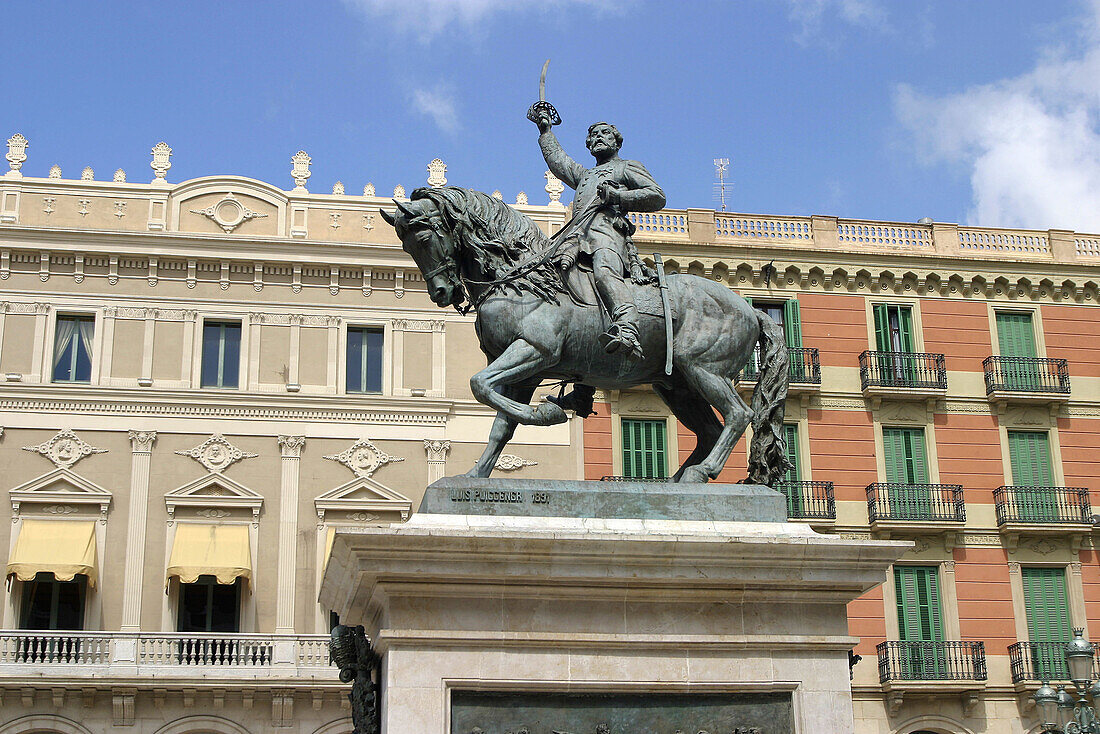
207	606
221	353
49	604
786	314
907	471
364	365
920	619
893	328
72	349
1016	343
644	449
790	487
1029	455
1048	621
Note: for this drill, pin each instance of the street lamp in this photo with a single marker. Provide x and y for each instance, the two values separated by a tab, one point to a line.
1059	710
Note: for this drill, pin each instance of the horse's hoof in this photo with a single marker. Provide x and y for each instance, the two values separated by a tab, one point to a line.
548	414
694	475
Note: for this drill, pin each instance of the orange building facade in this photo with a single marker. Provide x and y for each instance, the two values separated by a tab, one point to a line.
945	389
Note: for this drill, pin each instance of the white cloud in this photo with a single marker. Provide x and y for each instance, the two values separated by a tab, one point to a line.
1031	143
438	104
811	15
428	18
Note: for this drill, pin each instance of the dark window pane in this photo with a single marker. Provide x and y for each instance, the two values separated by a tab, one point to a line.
211	354
374	360
207	606
231	360
72	359
355	360
53	605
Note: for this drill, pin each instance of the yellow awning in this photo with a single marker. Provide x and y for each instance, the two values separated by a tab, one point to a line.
61	547
210	550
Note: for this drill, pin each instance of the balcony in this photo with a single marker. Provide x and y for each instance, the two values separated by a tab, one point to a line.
902	374
915	508
809	500
931	667
1041	661
1043	511
804	366
1026	379
106	655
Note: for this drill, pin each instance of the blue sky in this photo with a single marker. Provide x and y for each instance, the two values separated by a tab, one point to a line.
983	111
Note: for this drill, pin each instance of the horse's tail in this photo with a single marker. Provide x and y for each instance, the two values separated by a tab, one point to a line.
768	451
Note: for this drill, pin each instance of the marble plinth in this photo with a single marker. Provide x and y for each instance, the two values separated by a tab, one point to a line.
459	603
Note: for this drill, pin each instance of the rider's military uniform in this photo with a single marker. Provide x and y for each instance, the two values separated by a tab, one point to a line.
601	231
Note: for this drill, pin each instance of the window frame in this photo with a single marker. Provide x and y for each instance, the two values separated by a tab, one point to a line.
242	351
1037	330
93	352
915	313
211	583
344	372
24	601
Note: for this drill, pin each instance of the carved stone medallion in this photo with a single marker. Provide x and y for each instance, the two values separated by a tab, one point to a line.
65	449
363	458
216	454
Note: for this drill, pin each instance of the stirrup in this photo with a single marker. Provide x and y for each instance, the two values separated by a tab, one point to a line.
622	335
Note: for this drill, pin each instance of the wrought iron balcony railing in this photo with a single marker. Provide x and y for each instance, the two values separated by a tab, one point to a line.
900	661
1042	661
902	369
1042	505
808	500
804	365
1026	374
918	502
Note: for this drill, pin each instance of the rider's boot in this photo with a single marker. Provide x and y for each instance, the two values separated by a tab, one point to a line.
623	332
579	400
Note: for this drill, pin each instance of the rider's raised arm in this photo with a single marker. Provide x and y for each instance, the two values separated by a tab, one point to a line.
561	164
642	194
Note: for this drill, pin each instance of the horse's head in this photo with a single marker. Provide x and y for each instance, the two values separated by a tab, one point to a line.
425	237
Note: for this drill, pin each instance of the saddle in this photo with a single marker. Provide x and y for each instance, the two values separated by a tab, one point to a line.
580	285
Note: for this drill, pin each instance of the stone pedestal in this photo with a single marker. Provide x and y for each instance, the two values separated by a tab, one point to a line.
669	615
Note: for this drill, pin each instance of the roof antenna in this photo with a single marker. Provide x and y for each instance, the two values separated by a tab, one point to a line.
720	167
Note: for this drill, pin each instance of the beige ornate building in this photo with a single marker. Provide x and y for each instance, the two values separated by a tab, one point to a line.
199	381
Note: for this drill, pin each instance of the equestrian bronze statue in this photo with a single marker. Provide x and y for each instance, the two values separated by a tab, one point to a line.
581	308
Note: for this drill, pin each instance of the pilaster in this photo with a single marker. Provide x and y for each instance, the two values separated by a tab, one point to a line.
437	458
141	443
288	532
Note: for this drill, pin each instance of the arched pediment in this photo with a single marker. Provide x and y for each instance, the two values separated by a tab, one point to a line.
227	205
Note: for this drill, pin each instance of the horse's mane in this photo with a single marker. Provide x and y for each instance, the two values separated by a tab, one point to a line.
499	237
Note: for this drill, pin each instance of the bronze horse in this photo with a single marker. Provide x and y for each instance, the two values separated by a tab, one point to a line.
476	250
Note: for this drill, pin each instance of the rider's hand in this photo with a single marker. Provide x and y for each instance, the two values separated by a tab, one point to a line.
542	120
608	193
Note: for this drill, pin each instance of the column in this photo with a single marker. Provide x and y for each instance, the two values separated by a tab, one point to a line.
141	444
288	532
437	458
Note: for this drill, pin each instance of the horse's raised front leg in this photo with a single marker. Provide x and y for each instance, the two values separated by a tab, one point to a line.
501	434
519	362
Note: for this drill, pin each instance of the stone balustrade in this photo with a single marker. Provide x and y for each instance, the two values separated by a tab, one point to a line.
107	655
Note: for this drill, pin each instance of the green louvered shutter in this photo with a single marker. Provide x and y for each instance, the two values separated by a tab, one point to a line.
644	449
793	490
1016	338
1015	335
1048	622
792	324
883	342
905	329
1029	455
907	465
920	619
